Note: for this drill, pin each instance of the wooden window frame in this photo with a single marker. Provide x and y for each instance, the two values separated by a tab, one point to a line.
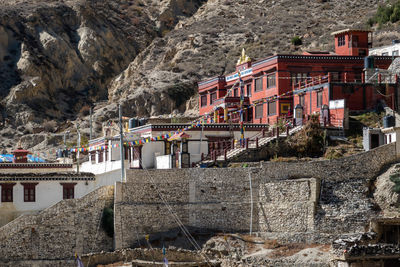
212	99
7	192
302	100
258	115
67	189
256	89
341	40
269	110
271	80
248	89
202	102
320	98
29	192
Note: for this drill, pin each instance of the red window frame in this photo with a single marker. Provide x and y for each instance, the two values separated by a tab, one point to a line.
272	108
29	192
259	111
203	100
319	98
248	89
213	97
258	84
7	192
68	190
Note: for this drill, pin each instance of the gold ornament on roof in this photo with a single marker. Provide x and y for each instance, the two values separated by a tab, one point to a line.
243	58
19	145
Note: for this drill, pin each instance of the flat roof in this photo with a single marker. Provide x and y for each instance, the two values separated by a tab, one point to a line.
349	30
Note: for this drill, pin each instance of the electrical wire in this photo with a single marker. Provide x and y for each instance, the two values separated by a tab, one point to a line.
185	231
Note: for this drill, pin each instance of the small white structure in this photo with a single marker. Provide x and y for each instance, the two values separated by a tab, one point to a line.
387	50
162	153
390	134
27	188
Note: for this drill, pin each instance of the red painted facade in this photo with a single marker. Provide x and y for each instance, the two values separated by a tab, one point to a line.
281	75
352	42
355	96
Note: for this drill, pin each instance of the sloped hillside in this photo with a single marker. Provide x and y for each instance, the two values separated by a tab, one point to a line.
58	56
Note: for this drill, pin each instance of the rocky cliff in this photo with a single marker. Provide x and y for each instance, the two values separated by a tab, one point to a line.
58	56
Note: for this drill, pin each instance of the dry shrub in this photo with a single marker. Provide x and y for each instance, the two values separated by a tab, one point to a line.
310	141
271	244
50	126
85	110
289	250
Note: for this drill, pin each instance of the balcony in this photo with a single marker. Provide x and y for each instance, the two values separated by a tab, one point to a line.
371	76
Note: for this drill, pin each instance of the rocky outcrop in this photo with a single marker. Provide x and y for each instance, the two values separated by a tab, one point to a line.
209	43
385	196
56	56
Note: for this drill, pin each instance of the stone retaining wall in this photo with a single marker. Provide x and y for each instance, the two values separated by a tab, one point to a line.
286	198
69	227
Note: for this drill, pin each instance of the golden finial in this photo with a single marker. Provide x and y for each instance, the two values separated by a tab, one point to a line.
243	58
19	145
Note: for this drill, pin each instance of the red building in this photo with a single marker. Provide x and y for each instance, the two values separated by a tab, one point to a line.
274	85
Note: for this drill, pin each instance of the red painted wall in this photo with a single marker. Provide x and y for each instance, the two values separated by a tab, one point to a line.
284	66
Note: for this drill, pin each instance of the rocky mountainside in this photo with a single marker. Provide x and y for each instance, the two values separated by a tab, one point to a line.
56	56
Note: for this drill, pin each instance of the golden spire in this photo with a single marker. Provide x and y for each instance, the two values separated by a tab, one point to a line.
19	145
243	58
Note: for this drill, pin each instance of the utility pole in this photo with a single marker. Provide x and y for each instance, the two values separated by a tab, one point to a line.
65	145
121	147
90	138
79	145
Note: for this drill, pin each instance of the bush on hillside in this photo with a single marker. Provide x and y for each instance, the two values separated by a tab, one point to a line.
296	40
310	141
386	13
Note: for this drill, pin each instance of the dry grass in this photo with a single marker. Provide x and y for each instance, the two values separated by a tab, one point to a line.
289	250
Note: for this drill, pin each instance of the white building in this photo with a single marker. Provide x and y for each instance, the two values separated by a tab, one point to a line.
27	188
159	154
390	134
387	50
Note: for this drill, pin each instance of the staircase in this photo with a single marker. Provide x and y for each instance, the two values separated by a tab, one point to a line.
262	142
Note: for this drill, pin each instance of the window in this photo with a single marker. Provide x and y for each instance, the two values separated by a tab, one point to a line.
319	98
302	100
235	92
7	192
271	80
341	40
259	111
285	108
167	148
395	53
213	97
248	89
258	85
29	192
68	190
271	108
354	41
385	54
298	77
203	100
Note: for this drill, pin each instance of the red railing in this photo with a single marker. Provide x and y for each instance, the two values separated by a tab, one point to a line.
222	148
346	78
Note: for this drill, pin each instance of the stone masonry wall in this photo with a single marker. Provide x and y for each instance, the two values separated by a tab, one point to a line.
214	199
293	201
317	198
57	233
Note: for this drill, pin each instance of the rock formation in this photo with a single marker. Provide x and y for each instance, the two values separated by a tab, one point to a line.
57	56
